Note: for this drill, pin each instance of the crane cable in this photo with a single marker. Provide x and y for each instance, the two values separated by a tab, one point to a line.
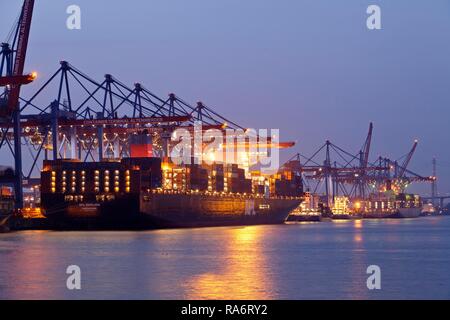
13	29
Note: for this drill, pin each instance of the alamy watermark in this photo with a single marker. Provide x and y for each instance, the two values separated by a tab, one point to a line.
73	282
374	20
73	21
374	280
244	146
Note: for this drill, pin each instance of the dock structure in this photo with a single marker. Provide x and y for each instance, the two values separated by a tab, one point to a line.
336	173
100	122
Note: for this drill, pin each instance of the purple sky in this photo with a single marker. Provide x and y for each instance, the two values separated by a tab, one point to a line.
310	68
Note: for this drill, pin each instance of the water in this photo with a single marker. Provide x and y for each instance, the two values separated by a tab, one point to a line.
325	260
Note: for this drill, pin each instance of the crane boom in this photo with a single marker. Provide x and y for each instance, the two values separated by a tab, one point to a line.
366	148
21	52
405	163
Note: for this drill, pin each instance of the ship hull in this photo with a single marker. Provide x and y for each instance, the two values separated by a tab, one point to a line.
304	218
409	212
156	211
119	214
401	213
187	211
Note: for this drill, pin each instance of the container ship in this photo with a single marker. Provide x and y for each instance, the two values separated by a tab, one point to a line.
400	205
147	192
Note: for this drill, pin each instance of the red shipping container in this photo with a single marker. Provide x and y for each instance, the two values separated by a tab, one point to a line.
141	151
141	146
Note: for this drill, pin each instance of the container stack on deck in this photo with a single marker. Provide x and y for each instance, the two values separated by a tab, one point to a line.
286	183
235	180
216	178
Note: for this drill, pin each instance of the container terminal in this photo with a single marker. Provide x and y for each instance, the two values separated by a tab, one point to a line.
100	158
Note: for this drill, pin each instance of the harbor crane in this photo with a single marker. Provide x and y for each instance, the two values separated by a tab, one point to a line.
339	172
13	81
13	62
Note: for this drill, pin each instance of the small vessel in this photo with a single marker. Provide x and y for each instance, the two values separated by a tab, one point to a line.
307	211
305	216
428	210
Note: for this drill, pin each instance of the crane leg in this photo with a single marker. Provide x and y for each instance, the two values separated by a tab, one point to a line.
18	186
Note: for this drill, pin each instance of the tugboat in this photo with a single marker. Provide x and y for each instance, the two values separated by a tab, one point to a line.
305	216
307	211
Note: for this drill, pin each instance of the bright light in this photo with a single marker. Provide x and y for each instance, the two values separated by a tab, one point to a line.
34	75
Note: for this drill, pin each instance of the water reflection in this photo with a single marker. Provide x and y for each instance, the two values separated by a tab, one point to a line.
358	263
298	261
245	273
27	266
357	227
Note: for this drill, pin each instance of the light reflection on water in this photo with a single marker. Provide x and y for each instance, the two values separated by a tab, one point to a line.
245	275
325	260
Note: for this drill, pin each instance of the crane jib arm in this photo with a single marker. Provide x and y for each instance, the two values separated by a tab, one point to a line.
21	52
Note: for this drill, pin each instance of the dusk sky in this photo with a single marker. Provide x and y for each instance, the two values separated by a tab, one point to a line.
310	68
